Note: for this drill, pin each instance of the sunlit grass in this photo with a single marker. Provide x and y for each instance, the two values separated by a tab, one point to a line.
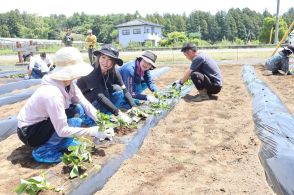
169	56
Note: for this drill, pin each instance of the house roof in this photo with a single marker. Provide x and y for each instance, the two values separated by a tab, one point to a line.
137	22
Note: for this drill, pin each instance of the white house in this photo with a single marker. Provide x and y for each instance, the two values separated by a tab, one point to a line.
139	31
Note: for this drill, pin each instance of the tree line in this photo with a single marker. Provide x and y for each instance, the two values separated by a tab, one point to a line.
236	24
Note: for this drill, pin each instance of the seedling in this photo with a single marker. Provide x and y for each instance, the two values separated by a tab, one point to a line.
20	75
103	121
33	185
137	114
121	122
77	158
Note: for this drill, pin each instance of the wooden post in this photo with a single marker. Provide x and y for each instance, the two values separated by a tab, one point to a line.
19	53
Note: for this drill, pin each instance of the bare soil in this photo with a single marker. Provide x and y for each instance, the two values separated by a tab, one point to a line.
199	148
121	131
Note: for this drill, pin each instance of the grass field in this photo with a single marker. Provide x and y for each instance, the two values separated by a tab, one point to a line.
176	57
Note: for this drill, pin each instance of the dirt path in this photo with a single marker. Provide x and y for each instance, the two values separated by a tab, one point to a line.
200	148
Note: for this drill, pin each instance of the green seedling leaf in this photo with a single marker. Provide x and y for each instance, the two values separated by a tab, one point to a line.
20	188
74	172
33	185
79	155
103	121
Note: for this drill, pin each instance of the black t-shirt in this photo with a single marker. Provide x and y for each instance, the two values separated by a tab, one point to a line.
205	65
96	84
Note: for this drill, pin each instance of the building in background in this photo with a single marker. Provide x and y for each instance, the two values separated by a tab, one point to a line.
139	31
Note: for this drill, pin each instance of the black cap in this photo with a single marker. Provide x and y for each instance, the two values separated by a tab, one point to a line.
43	55
188	46
110	51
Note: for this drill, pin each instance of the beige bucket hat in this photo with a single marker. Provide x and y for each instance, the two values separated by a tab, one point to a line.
149	57
69	65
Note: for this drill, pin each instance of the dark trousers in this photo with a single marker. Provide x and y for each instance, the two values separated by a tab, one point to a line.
39	133
90	54
36	134
202	81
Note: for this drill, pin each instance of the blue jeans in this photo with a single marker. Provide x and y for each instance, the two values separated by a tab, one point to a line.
53	149
140	87
37	74
117	98
277	62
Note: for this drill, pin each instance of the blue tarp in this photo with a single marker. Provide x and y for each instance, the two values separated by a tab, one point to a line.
8	127
274	125
11	72
9	87
10	99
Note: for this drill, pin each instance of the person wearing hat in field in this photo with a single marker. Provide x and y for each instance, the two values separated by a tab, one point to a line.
279	63
137	77
43	123
47	59
37	67
90	44
203	71
104	87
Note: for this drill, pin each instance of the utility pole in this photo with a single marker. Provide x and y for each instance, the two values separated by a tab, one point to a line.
277	23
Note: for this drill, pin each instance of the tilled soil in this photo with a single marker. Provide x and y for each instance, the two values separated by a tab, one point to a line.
199	148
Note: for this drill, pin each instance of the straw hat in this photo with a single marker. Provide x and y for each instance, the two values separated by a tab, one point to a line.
69	65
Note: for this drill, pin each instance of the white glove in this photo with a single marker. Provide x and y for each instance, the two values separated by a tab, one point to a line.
177	84
152	99
124	117
108	133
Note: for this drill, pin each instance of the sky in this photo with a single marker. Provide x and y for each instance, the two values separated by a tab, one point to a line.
103	7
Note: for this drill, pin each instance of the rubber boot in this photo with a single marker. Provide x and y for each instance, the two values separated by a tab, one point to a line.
202	96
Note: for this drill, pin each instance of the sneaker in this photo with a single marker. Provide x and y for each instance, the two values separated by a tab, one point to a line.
200	98
282	72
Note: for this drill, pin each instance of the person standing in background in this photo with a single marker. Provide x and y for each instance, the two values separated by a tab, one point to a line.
90	44
68	39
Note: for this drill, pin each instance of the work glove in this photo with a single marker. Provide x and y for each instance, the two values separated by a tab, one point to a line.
124	117
152	99
138	112
177	84
107	134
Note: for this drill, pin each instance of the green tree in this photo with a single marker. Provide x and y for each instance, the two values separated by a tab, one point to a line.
223	25
4	31
14	23
174	39
232	33
268	23
289	16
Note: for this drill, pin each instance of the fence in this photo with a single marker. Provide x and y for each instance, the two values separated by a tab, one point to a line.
10	43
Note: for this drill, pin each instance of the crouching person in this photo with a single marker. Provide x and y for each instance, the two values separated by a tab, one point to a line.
104	86
43	122
204	72
137	76
279	63
37	67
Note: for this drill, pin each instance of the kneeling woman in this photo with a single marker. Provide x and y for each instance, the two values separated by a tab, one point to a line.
43	122
104	86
